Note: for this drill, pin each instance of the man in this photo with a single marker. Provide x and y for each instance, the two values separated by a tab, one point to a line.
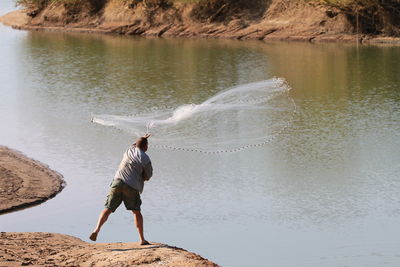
134	169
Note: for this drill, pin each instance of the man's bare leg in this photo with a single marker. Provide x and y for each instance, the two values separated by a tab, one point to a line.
102	219
139	226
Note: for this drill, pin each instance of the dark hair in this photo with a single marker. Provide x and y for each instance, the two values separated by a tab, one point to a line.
141	143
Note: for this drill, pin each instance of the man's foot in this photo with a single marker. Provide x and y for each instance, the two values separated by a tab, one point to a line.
144	243
93	236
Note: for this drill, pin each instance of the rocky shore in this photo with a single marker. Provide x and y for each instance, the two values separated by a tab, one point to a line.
47	249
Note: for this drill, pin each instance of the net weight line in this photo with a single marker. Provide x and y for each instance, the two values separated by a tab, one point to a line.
237	149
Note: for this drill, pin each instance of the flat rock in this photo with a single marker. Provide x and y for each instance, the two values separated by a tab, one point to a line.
47	249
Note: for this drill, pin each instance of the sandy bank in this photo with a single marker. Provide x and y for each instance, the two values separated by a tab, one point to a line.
25	182
276	21
45	249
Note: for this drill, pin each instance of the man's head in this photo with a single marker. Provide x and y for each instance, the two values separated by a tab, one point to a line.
142	143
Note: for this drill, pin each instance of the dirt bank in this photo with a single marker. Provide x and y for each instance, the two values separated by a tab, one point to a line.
25	182
252	19
45	249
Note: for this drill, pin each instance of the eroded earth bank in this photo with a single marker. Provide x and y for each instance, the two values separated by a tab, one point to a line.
300	20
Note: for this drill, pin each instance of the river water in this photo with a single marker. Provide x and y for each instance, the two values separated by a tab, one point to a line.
315	181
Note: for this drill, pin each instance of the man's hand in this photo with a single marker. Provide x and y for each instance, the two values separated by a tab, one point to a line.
147	135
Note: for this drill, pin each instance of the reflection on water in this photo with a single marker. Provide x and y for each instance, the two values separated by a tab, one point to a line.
137	70
323	193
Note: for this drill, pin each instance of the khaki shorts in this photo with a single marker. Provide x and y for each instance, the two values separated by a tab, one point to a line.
119	192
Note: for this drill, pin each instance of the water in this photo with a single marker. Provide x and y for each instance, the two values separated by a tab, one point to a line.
323	192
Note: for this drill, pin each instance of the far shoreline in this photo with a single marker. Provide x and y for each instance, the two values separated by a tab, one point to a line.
19	20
